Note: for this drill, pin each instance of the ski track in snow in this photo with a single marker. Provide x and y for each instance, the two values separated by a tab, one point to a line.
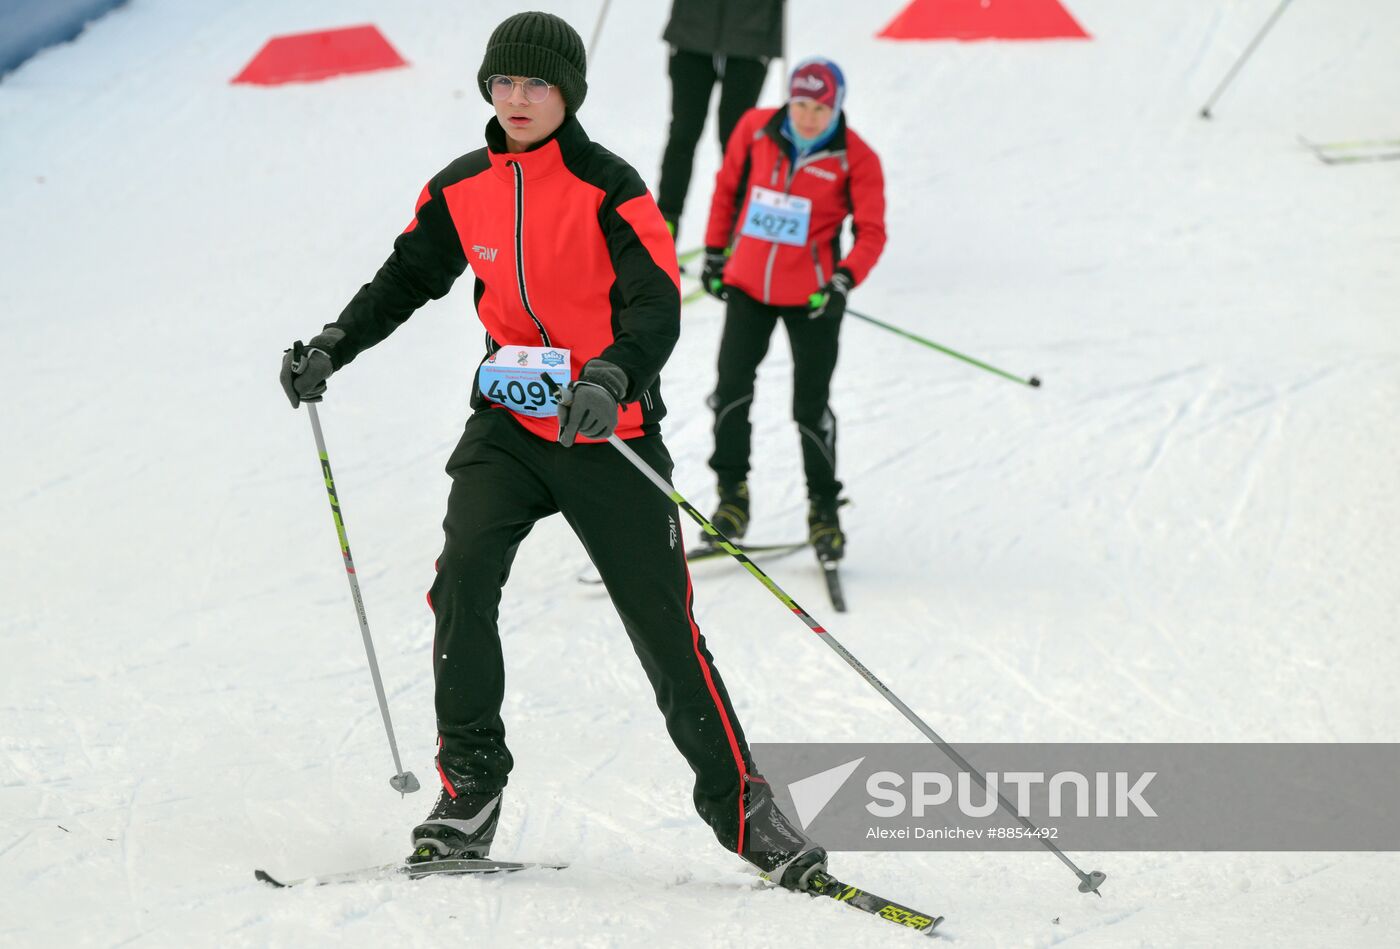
1189	533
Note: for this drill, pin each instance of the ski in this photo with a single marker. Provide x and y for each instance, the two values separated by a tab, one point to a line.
1360	143
1350	153
824	884
832	573
413	871
1358	159
702	552
686	256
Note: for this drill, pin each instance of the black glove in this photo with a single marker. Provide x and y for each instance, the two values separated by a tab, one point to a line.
712	277
306	367
830	301
588	406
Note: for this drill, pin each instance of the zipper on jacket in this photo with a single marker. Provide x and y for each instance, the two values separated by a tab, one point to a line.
520	249
795	166
773	251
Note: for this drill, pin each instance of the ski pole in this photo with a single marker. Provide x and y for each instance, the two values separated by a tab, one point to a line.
782	56
1239	63
598	28
402	781
1033	381
1088	882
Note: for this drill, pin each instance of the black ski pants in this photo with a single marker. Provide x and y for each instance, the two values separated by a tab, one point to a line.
504	479
693	76
748	327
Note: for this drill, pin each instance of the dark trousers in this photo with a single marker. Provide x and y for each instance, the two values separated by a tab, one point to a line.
748	326
693	76
504	479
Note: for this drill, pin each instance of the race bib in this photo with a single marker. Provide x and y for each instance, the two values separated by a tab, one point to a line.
511	377
777	217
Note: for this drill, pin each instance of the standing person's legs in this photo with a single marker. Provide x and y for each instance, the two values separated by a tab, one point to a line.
815	344
632	533
748	326
496	497
738	92
692	79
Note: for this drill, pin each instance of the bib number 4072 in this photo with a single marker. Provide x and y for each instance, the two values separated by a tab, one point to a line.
777	217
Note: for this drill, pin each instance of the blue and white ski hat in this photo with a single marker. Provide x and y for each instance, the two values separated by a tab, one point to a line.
820	80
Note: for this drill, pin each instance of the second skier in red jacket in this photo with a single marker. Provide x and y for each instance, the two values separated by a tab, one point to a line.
790	179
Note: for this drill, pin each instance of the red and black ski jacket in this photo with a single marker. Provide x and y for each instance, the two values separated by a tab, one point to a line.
568	250
843	178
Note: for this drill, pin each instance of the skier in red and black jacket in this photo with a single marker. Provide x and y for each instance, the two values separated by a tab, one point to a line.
790	178
575	275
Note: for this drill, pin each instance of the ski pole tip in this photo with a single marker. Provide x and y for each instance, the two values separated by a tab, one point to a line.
1035	382
404	783
1091	881
1205	113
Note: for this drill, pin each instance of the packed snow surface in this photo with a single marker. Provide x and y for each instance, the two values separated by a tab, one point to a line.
1190	533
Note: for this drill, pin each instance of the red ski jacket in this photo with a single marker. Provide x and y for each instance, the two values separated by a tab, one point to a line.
842	178
568	249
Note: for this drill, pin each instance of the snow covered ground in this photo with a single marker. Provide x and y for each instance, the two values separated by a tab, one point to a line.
1192	532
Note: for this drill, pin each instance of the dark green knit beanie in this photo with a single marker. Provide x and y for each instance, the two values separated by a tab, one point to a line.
537	46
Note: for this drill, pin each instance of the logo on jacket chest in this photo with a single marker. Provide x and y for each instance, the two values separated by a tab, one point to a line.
821	173
483	252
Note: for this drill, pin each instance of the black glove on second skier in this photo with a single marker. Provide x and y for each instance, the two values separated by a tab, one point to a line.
712	277
305	368
830	301
588	406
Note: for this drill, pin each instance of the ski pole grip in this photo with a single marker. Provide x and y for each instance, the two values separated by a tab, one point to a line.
299	362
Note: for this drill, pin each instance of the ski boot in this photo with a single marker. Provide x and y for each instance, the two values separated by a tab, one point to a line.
824	529
732	515
772	843
459	827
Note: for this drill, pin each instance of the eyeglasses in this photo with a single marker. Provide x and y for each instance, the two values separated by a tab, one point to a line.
502	87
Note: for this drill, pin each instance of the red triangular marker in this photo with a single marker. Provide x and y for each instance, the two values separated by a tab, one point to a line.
983	20
306	57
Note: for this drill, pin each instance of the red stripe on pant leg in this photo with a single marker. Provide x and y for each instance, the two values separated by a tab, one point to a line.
714	694
446	784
